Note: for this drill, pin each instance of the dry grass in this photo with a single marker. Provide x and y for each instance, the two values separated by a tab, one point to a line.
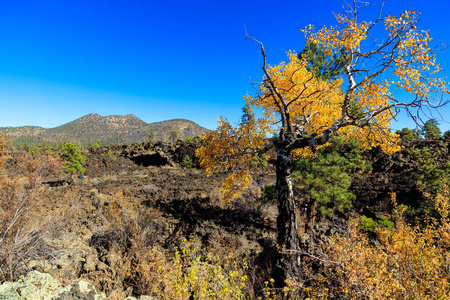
24	225
126	242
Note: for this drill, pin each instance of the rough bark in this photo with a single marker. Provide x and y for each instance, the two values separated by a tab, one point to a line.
288	238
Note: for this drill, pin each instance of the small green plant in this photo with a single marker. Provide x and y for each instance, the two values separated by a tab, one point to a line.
410	135
270	192
174	135
370	224
33	149
328	176
260	161
186	162
97	144
110	152
433	175
151	137
188	139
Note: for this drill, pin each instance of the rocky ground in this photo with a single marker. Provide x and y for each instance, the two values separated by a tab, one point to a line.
146	184
173	202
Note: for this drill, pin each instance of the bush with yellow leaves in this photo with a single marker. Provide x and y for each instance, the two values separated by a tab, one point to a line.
191	276
405	262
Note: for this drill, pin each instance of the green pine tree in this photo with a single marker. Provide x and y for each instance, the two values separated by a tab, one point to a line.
74	158
324	65
328	176
410	135
248	115
431	129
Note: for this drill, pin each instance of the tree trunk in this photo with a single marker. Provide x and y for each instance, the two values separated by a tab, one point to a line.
288	238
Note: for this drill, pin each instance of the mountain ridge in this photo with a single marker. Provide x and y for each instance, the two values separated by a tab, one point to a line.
112	129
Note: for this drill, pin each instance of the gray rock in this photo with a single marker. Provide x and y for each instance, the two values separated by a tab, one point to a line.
34	285
37	286
141	298
7	291
80	290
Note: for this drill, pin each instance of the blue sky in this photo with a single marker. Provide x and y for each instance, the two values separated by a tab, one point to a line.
159	60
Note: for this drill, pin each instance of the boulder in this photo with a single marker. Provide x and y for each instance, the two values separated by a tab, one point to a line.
37	285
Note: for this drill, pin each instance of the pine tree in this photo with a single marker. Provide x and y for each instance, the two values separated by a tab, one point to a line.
322	63
327	176
248	115
431	130
74	158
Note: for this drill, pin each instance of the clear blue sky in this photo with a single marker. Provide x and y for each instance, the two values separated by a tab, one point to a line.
159	60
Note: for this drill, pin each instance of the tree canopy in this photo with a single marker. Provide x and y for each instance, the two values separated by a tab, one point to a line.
431	129
383	57
360	105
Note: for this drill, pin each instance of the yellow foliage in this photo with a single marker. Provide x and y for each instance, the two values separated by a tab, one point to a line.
304	99
404	263
234	184
349	37
305	110
412	58
230	148
192	276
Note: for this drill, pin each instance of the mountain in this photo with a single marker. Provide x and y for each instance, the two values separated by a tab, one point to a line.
123	129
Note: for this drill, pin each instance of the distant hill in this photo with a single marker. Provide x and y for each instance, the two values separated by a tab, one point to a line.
124	129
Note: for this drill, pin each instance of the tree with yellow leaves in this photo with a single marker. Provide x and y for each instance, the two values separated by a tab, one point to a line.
305	110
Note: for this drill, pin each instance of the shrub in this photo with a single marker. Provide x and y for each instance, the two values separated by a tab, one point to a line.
186	162
23	228
372	225
405	262
33	149
128	230
260	161
410	135
151	137
270	192
174	135
432	175
191	276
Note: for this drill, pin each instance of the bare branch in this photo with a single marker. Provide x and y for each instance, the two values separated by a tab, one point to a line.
284	111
